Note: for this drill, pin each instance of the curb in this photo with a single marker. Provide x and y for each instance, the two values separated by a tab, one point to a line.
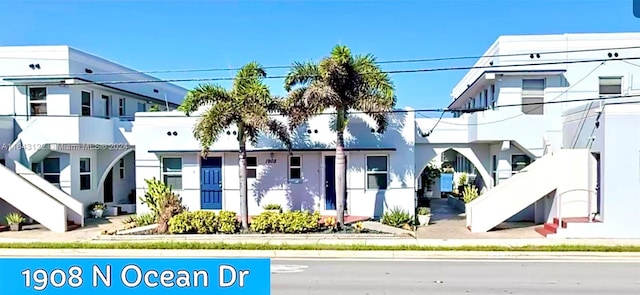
248	237
327	254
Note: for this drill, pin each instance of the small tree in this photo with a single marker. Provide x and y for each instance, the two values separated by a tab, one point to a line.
248	106
345	83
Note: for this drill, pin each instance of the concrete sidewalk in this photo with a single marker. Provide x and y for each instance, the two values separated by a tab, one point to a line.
288	254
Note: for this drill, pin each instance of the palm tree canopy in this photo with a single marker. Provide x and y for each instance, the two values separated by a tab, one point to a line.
341	81
248	105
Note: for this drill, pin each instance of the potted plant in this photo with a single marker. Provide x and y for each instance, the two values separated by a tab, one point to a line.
15	221
97	209
424	216
462	182
431	174
273	208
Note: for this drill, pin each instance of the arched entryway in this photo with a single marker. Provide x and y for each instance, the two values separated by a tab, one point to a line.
458	160
116	184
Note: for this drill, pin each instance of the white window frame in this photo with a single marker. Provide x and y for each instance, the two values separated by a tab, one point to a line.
537	108
121	107
143	105
290	167
38	102
172	173
620	78
42	173
493	96
107	110
84	173
83	106
121	168
252	168
368	172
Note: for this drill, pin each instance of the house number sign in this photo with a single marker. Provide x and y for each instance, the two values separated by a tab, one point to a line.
270	161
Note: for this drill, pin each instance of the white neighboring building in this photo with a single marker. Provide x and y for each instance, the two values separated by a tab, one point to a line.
501	141
61	124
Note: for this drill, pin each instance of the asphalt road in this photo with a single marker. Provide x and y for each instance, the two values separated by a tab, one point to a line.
450	277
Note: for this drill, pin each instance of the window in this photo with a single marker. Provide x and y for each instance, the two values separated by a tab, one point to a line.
2	162
142	107
486	98
610	86
121	168
86	103
493	96
107	105
38	101
85	174
377	172
519	162
172	172
49	169
295	168
494	169
533	96
252	167
121	107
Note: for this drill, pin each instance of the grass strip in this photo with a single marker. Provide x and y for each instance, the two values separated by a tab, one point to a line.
164	245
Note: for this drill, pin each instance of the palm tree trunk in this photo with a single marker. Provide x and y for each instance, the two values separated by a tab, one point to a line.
341	169
242	164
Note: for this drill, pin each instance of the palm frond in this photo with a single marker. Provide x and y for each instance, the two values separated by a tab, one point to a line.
301	73
204	95
209	127
250	73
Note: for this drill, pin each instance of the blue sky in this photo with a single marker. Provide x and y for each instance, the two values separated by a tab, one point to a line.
183	34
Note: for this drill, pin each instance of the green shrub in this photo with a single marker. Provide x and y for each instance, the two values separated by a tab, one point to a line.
156	190
299	222
181	223
204	222
228	222
470	193
266	222
194	222
396	217
145	219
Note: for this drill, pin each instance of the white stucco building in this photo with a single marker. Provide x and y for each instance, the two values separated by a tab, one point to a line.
542	71
65	131
71	135
380	170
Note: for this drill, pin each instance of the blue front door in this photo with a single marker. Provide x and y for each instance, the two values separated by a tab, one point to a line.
330	182
211	183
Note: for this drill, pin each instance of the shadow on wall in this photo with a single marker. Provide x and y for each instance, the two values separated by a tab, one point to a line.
300	195
364	135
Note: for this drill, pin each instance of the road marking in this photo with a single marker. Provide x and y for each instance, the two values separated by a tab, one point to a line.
280	268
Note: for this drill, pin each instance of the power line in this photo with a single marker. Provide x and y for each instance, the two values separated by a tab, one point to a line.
398	61
424	70
563	93
473	110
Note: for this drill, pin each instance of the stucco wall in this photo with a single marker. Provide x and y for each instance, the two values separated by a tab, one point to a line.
271	185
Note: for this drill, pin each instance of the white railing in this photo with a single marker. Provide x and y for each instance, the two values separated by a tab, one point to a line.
559	204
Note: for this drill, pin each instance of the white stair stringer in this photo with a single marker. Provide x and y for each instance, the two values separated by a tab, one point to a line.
75	208
32	201
513	195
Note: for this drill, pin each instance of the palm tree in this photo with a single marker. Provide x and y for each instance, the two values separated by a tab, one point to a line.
248	105
344	83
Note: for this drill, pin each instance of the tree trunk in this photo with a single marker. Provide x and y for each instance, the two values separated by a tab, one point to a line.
341	169
242	163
